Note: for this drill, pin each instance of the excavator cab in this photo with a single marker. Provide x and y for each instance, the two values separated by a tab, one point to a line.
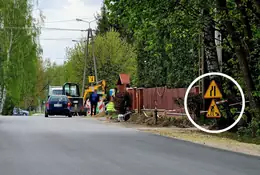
71	90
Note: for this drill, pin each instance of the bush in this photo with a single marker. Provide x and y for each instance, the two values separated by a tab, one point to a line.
252	131
194	103
8	107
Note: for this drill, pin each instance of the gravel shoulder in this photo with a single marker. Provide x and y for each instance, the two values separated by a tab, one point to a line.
195	136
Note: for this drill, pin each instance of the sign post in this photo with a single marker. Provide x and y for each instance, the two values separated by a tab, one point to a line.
213	92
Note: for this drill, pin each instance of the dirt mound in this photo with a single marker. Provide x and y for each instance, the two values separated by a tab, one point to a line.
101	114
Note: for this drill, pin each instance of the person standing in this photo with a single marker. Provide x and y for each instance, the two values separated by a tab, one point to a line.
94	98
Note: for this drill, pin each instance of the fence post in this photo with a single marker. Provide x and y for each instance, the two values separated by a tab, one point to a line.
155	113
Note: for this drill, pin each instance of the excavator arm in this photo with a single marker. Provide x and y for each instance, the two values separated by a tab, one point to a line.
91	89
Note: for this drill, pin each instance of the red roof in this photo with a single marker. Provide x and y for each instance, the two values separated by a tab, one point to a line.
124	79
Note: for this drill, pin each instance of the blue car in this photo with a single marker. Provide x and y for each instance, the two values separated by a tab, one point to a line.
58	105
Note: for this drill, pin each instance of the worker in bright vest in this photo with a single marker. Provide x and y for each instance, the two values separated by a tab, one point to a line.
110	106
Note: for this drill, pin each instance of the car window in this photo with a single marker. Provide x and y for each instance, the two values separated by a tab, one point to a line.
57	92
71	90
58	98
67	89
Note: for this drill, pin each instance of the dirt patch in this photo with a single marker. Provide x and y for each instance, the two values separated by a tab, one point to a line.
101	114
148	119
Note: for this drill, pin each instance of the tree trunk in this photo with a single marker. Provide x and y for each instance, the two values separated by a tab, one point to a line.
211	56
210	45
2	103
242	55
213	65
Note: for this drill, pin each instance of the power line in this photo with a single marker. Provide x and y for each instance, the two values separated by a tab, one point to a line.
62	39
47	28
55	58
68	20
60	58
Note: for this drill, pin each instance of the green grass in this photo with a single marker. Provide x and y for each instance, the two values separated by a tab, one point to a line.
234	136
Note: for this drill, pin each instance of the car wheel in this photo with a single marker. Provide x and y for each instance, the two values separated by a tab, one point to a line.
69	115
46	115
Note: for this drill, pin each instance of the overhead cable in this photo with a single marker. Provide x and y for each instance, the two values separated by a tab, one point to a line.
46	28
62	39
68	20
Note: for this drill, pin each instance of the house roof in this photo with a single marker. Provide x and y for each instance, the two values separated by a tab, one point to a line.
123	79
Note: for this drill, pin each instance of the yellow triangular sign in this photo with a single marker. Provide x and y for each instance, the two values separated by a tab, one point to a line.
213	91
213	111
91	79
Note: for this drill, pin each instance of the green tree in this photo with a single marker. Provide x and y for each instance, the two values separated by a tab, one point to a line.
18	60
165	35
164	38
113	55
103	25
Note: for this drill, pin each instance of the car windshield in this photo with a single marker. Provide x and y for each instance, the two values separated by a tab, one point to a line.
57	92
71	90
58	98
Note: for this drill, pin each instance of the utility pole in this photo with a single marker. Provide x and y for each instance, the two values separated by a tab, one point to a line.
89	36
85	64
94	58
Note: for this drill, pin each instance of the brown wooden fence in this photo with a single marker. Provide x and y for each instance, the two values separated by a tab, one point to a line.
162	98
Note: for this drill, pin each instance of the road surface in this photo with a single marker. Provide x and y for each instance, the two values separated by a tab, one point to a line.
76	146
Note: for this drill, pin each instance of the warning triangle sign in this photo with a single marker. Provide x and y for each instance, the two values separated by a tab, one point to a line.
213	111
213	91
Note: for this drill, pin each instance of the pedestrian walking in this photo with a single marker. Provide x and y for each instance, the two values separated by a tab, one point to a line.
94	98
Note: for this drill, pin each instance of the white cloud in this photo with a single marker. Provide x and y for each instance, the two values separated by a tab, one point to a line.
67	10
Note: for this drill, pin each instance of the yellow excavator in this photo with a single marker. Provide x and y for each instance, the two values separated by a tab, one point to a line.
100	84
78	102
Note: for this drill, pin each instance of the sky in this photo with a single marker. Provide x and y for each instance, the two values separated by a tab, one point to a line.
63	14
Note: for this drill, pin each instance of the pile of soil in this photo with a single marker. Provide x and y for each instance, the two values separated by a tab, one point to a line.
101	114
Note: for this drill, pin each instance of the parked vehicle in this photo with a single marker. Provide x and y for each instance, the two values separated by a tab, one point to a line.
54	90
18	112
58	105
71	90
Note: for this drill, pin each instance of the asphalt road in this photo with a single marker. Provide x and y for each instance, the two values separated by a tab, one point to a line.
77	146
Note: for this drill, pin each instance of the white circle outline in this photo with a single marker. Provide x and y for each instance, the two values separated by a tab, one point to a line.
186	100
